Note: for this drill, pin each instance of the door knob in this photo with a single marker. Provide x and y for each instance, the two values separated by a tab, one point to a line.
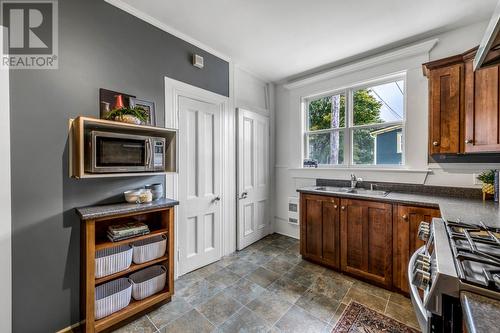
243	195
435	143
217	198
468	141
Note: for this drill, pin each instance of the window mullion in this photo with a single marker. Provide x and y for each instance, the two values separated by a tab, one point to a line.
347	134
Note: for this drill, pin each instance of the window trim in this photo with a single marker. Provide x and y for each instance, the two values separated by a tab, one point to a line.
349	127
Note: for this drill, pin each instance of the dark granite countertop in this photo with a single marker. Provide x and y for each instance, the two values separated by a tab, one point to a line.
453	208
480	313
94	212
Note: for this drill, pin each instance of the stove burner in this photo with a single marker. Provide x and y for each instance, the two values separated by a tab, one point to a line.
477	253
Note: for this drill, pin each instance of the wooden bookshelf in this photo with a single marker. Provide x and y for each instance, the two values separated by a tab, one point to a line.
161	222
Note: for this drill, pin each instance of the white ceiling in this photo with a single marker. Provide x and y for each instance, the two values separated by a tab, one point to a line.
277	39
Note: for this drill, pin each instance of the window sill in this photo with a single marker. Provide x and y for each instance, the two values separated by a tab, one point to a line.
382	174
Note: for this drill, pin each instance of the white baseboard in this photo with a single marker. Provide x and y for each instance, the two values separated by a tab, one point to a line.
283	227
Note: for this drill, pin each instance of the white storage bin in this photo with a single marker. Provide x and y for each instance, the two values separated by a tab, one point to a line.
149	281
149	249
112	260
112	296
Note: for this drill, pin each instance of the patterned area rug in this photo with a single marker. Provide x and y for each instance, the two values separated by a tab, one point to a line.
358	318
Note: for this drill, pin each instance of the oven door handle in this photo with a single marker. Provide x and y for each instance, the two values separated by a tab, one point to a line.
413	289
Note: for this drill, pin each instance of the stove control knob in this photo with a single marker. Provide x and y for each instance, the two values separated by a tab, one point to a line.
421	279
422	265
424	231
424	257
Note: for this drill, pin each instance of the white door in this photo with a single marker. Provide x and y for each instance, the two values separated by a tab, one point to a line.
199	184
253	177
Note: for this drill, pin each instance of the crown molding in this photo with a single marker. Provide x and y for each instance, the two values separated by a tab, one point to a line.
400	53
162	26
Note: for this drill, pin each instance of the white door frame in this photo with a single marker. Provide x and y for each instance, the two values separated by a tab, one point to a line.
173	90
5	206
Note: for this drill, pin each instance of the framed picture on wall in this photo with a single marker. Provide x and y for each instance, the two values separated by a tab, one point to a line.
148	106
107	101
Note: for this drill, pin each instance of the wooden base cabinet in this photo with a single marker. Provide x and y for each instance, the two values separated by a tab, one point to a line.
366	238
320	229
370	240
406	241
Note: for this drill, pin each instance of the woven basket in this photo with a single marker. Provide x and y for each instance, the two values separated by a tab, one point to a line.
149	249
112	296
112	260
149	281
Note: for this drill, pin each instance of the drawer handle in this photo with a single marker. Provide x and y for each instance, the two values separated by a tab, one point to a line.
335	206
405	217
343	208
435	143
469	141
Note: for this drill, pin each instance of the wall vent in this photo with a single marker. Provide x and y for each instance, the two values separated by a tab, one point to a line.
293	210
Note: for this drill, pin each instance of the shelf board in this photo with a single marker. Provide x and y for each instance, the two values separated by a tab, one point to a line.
133	308
105	243
87	175
131	269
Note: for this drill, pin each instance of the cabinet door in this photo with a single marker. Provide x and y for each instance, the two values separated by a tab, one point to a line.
320	229
482	113
331	232
406	241
311	228
366	240
445	109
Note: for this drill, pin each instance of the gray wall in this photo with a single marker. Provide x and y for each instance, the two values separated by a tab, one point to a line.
99	46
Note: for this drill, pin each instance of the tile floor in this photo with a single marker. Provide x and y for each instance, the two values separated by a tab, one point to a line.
267	287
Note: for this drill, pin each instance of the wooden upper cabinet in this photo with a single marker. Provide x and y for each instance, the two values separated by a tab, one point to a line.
405	239
482	109
320	229
464	106
445	109
366	240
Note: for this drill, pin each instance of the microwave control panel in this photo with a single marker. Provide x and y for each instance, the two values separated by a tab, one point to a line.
159	153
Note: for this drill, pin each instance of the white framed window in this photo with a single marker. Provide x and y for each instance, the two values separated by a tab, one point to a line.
361	125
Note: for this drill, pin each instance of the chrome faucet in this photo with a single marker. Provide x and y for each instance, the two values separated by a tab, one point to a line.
354	181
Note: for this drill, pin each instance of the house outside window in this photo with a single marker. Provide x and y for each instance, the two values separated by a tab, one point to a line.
357	126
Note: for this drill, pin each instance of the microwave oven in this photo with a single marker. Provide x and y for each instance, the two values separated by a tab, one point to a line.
112	152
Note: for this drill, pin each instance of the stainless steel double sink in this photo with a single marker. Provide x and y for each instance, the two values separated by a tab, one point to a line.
361	191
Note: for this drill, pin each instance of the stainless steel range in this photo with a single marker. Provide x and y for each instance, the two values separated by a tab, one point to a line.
456	257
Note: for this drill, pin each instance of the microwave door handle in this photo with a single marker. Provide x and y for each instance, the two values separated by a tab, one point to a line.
148	153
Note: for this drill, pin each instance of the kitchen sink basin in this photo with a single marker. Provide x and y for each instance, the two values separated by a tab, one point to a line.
367	192
361	191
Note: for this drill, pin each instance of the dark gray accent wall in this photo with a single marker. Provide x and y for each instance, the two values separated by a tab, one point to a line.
99	46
